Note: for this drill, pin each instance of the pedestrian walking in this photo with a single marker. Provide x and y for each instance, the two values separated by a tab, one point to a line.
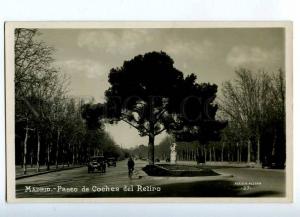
130	165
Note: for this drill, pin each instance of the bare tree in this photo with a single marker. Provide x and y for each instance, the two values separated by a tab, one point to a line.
36	82
249	103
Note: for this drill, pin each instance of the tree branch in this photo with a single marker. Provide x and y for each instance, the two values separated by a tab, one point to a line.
160	131
128	122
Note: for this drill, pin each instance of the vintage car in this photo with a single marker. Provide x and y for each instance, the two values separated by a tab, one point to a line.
97	163
111	161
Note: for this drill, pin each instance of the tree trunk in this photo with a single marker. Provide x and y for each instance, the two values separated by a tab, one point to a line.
73	154
193	155
78	155
222	153
57	145
48	156
151	144
274	144
22	155
249	151
151	149
240	155
237	152
258	151
214	154
63	159
38	152
25	150
63	156
68	155
187	154
31	159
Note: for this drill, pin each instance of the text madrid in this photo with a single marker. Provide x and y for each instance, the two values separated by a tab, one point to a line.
94	188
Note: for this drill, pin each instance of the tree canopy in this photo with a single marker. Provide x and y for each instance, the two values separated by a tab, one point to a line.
151	95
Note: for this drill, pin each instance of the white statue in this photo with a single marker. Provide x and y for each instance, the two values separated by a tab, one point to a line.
173	153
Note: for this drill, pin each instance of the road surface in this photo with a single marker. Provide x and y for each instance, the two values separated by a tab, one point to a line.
233	182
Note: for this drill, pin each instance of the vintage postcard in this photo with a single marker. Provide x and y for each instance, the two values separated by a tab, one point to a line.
149	111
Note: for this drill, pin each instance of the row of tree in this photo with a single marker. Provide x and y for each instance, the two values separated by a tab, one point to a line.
254	106
49	125
191	151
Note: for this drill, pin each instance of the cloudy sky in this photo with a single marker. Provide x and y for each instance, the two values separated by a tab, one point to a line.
86	56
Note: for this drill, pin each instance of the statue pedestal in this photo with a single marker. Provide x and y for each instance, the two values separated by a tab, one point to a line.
173	154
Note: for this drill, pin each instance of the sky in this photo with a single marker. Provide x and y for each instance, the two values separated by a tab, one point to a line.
87	55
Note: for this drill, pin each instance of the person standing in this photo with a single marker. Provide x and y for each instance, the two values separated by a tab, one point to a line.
130	165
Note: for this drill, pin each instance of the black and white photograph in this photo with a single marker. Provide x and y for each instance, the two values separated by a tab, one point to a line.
154	111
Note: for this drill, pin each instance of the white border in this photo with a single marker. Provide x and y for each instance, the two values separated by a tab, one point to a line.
153	10
9	36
